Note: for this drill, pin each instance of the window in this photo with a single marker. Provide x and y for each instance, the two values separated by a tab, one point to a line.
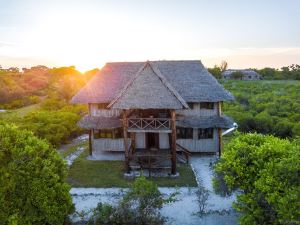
206	105
185	133
191	105
109	133
207	133
102	105
118	133
103	134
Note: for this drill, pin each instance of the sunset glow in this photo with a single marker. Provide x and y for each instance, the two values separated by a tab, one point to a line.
89	33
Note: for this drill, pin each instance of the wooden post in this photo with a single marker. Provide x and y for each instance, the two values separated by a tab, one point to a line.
132	136
220	141
220	129
91	139
89	108
127	169
219	108
173	145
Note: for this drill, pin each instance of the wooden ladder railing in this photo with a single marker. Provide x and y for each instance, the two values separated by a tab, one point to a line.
184	151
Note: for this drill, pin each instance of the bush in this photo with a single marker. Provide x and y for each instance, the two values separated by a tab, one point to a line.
32	176
55	126
53	103
202	199
139	206
267	170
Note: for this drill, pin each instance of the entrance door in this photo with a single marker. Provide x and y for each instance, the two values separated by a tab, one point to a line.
152	140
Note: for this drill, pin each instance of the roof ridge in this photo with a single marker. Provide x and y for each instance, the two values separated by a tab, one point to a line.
168	85
164	81
127	85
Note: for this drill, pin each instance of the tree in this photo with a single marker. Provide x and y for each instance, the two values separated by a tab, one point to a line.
32	176
267	170
215	71
223	66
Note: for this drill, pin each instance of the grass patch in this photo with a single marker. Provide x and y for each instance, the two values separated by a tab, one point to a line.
72	149
106	174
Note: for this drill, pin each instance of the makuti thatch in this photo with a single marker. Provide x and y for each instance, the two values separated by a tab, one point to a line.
97	122
189	78
148	89
206	122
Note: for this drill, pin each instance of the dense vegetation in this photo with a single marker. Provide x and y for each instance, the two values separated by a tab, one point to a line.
267	170
268	107
54	119
32	177
291	72
30	86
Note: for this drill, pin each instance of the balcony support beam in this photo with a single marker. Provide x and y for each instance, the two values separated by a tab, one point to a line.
125	128
173	140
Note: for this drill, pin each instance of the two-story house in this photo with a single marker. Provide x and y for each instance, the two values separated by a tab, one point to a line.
154	111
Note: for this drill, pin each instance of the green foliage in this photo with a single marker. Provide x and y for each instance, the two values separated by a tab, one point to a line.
32	176
21	102
215	71
267	170
268	107
55	126
291	72
237	75
16	88
140	205
54	120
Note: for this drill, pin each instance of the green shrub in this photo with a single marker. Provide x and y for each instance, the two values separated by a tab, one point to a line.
55	126
53	103
140	205
267	170
32	176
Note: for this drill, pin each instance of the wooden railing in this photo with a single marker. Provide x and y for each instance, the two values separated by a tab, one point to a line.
184	151
106	112
149	123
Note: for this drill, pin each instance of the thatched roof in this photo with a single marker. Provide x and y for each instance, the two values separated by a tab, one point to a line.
148	89
97	122
189	78
206	122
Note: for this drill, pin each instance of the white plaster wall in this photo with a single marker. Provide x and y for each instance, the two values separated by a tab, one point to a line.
164	141
108	144
197	111
104	112
201	145
140	140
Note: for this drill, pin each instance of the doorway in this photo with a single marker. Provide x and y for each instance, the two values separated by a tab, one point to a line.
152	140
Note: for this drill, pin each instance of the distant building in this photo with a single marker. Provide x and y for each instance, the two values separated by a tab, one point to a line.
245	74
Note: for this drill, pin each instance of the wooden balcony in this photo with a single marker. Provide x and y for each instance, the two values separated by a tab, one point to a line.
149	125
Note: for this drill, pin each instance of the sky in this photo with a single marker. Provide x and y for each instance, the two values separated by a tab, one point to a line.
89	33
